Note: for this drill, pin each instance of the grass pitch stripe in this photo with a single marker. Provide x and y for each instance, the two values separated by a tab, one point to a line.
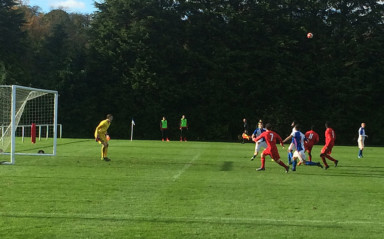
186	166
229	220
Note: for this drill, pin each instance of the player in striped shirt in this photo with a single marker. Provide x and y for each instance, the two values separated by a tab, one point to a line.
271	137
261	142
291	147
361	139
298	139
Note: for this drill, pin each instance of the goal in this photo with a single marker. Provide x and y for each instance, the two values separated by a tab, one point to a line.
26	111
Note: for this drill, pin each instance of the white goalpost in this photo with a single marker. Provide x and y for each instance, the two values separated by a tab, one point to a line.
26	111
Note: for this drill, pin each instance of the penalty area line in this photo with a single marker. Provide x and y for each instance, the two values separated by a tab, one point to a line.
186	166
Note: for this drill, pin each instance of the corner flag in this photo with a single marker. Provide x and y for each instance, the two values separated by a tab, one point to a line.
132	124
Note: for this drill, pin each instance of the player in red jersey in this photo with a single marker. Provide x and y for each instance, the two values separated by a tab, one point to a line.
313	138
330	137
271	138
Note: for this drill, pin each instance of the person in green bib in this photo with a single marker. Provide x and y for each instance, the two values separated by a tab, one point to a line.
164	129
183	128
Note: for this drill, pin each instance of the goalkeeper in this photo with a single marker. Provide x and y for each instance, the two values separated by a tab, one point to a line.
101	136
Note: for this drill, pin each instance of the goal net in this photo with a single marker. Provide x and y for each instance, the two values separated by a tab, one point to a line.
27	112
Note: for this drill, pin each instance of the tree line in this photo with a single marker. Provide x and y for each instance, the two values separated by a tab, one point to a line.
215	61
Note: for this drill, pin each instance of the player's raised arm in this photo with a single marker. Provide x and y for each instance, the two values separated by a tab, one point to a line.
288	138
259	137
280	140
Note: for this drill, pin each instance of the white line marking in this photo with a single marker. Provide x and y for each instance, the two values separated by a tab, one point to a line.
186	166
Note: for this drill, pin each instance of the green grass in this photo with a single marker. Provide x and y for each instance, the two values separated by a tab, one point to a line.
154	189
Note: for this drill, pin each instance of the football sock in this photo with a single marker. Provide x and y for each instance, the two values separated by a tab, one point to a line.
310	156
281	163
330	158
102	151
289	157
105	151
262	162
294	162
310	163
360	152
324	162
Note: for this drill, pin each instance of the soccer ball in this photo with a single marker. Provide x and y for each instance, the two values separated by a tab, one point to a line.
309	35
107	137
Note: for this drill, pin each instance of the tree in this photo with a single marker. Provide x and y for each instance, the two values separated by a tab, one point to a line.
11	41
218	61
215	61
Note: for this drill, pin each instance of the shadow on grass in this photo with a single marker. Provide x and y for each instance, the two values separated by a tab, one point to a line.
77	141
34	147
227	166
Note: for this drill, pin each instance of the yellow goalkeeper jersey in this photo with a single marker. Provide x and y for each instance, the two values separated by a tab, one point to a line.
102	128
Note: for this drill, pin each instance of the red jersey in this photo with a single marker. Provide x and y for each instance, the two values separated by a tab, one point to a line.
312	137
330	137
270	138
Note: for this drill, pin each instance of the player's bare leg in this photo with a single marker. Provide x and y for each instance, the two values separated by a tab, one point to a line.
256	151
254	156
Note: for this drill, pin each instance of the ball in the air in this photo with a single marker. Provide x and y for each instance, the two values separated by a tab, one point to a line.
309	35
107	137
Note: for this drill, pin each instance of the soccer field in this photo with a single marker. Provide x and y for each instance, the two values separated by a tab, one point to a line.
155	189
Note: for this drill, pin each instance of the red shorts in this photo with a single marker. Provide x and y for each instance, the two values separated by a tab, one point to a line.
308	147
273	152
327	150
